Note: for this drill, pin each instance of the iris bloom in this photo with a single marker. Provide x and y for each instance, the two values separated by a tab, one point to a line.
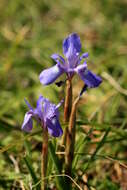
46	114
70	65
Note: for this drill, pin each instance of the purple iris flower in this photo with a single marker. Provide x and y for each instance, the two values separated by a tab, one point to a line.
46	114
70	65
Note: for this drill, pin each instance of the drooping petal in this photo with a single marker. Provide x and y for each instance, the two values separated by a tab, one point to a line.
27	123
90	79
71	49
54	127
48	76
81	68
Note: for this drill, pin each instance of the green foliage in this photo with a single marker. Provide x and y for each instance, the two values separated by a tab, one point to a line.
107	184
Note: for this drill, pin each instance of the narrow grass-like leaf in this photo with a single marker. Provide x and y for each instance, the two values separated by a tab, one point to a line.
104	126
32	172
27	148
55	159
8	147
80	147
96	150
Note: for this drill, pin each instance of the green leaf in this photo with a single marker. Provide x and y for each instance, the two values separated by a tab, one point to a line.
57	165
81	144
32	172
96	150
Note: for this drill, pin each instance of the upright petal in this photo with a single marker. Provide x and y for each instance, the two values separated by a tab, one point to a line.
48	76
27	123
70	44
27	103
48	108
60	61
90	79
83	56
81	68
59	104
40	101
54	127
71	49
57	58
39	107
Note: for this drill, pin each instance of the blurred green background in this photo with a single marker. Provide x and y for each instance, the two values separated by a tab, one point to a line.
30	32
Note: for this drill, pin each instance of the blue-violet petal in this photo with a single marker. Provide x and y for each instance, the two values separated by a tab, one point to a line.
54	127
90	79
48	76
27	123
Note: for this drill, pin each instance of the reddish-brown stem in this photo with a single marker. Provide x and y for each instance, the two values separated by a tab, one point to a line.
68	100
44	159
67	108
67	111
70	140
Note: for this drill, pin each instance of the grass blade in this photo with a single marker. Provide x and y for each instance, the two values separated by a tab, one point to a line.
57	165
32	172
96	150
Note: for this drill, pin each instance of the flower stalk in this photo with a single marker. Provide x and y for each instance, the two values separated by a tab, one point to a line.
70	141
68	100
44	159
67	108
67	112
